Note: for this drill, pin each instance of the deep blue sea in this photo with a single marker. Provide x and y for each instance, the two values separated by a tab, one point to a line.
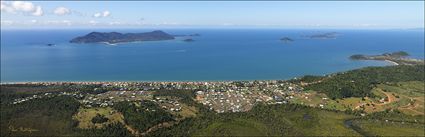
218	54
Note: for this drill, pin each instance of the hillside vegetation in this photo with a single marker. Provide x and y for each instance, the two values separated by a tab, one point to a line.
373	101
360	82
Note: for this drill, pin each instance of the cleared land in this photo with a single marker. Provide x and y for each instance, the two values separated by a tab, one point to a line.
408	97
382	128
85	116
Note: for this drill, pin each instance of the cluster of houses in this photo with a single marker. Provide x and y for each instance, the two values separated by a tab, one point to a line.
108	98
242	96
45	95
168	103
21	100
222	97
230	101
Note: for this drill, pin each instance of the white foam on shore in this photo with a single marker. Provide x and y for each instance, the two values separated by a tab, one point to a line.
392	62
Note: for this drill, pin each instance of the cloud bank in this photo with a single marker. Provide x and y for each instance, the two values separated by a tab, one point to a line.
22	7
61	11
102	14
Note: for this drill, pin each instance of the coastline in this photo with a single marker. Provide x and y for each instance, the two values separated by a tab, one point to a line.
169	81
392	62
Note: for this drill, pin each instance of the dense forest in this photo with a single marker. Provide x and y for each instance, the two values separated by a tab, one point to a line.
110	130
49	116
144	115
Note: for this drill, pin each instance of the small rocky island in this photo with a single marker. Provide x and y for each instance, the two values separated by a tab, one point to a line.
188	40
189	35
50	45
397	58
329	35
115	37
286	39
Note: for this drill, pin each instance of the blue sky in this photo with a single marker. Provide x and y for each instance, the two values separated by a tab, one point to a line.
284	14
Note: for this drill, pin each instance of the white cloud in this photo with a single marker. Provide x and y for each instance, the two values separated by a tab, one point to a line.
61	11
92	22
38	11
97	15
102	14
23	6
7	22
26	8
115	23
106	13
67	22
5	7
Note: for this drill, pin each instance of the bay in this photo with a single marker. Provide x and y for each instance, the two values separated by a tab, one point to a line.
216	55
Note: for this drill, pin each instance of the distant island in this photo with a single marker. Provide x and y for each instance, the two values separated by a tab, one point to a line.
115	37
188	40
50	45
329	35
189	35
286	39
397	58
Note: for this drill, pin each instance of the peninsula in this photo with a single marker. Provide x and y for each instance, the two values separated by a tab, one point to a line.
397	58
115	37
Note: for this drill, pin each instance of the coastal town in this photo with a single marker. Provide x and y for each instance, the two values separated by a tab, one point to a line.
239	96
221	97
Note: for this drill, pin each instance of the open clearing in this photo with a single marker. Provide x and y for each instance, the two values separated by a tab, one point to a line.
85	115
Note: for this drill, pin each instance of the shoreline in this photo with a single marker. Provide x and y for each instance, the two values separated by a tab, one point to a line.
103	82
165	81
392	62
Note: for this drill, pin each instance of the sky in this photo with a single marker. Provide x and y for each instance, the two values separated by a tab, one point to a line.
280	14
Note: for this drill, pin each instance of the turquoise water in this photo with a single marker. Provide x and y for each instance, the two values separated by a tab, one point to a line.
218	54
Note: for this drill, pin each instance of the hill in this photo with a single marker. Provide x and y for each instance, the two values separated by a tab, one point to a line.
115	37
360	82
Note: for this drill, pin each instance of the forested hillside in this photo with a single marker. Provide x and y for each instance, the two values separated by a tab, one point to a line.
359	83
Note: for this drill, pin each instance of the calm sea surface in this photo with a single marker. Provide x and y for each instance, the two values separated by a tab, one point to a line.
218	54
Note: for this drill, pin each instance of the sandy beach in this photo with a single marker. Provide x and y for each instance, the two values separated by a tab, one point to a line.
392	62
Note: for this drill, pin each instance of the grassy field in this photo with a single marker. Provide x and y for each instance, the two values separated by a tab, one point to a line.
408	97
304	122
382	128
236	127
319	123
187	111
85	115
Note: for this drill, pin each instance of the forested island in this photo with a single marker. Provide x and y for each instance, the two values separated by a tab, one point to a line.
115	37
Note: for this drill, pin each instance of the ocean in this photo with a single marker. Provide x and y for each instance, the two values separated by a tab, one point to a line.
216	55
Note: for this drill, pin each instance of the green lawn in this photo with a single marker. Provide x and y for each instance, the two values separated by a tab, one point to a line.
237	127
331	124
